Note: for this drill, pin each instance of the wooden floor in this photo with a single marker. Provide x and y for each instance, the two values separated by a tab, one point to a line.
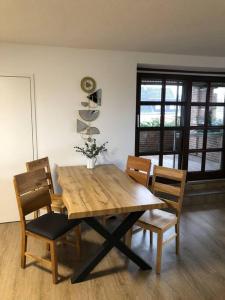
198	273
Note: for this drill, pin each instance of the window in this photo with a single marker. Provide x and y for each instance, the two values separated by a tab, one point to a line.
180	122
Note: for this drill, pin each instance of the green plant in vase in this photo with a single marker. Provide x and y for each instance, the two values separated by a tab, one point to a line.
91	150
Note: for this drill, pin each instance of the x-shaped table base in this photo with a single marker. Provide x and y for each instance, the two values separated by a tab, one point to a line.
111	240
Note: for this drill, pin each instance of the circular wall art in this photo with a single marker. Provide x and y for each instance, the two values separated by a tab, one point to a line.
88	84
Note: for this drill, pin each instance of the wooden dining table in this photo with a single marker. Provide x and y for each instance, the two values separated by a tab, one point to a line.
105	190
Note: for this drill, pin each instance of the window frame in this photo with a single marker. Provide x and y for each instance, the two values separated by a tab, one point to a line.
185	128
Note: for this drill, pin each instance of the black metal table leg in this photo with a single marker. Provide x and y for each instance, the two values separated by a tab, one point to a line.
112	240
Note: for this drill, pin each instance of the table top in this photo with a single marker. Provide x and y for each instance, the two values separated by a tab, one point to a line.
103	190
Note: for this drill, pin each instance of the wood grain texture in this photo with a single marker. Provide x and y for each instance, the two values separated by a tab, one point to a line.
32	192
197	274
56	199
138	168
165	172
43	163
159	221
33	180
168	189
179	176
103	190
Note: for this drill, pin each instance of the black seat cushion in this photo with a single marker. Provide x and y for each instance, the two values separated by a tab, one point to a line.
51	225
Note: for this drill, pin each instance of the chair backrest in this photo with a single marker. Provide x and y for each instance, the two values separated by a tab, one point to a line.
138	168
42	163
32	192
176	189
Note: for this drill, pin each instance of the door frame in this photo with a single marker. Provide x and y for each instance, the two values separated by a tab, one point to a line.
33	114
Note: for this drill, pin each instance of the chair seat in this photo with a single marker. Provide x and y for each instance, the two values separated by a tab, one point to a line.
158	218
51	225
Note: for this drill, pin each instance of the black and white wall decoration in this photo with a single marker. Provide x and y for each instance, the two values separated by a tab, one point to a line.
89	114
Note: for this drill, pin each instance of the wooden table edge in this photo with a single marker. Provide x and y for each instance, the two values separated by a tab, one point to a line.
81	215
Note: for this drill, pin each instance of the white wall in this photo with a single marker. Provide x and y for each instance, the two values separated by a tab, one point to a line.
16	139
58	72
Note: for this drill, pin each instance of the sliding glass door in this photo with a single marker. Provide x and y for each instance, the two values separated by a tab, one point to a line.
180	123
206	129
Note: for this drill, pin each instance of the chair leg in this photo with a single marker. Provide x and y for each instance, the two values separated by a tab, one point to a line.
54	261
151	238
159	252
78	239
128	237
177	230
23	250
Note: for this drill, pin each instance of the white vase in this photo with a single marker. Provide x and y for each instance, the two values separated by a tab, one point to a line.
91	163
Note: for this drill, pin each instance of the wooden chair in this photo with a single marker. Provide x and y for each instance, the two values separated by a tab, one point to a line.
43	163
32	193
56	199
159	221
138	168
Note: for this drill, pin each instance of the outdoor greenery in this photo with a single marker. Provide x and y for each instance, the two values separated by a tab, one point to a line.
156	123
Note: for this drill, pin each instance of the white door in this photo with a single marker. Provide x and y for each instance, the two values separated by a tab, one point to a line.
16	142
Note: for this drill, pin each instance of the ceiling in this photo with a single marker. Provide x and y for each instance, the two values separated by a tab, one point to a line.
194	27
